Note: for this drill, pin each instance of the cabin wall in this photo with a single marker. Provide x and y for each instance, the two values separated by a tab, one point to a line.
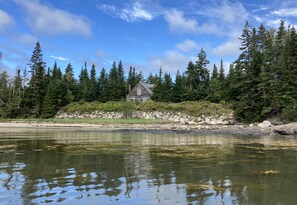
139	94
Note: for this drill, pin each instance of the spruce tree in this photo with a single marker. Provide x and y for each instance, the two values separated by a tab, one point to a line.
71	82
93	84
103	87
84	84
179	89
32	103
158	88
202	75
121	84
4	93
56	93
113	83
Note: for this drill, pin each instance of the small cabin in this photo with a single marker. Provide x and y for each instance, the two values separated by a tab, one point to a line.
141	92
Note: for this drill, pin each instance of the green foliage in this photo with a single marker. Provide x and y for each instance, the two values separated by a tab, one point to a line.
191	108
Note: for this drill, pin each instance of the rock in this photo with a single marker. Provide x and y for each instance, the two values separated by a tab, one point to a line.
184	121
288	129
265	124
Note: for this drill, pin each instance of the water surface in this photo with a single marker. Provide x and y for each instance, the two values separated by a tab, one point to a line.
79	166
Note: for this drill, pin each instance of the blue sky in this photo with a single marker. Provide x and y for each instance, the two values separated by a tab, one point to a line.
147	34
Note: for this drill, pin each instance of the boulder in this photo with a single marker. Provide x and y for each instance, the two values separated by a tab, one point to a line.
265	124
288	129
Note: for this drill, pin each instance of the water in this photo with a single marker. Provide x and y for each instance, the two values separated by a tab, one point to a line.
60	166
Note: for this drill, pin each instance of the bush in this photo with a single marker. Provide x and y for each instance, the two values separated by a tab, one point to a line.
193	108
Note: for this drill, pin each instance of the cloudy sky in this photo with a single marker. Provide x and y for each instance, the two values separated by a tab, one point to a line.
147	34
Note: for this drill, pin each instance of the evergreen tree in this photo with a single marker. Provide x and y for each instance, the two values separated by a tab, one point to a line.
202	74
288	103
215	88
4	93
167	88
56	93
16	95
152	79
121	84
222	72
179	88
103	86
93	84
133	77
158	89
32	103
71	82
84	85
192	81
113	83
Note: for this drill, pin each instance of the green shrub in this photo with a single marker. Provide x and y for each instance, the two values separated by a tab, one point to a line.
193	108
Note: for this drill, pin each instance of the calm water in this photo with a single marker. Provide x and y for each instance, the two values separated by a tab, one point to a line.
58	166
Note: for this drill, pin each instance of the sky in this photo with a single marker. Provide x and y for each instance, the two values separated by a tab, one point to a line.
147	34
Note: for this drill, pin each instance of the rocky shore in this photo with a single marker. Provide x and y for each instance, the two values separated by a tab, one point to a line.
176	123
240	130
174	117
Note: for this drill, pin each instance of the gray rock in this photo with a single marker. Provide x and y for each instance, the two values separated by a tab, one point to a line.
288	129
265	124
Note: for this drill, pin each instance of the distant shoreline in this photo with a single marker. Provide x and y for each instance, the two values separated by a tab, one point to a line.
239	130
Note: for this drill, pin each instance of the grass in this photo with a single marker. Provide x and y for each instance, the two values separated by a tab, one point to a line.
91	121
196	109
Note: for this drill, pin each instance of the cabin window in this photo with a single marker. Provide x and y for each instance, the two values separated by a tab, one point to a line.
138	91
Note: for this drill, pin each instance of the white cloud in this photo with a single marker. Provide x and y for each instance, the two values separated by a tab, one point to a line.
52	21
137	12
187	45
171	62
286	12
227	12
27	39
59	58
178	23
5	19
130	12
231	47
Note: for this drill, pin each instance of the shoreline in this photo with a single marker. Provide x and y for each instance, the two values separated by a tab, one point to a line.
177	128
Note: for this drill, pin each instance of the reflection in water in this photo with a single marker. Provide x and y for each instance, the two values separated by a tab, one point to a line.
88	167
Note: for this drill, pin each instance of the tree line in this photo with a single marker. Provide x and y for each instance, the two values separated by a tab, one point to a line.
261	82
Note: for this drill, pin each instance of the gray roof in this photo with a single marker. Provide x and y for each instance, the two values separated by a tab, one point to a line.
148	87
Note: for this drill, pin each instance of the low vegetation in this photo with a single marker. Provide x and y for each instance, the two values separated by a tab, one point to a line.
191	108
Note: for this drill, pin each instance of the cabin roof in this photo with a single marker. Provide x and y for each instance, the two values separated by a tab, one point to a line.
148	87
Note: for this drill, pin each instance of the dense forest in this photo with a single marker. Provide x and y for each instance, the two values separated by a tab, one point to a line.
261	82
